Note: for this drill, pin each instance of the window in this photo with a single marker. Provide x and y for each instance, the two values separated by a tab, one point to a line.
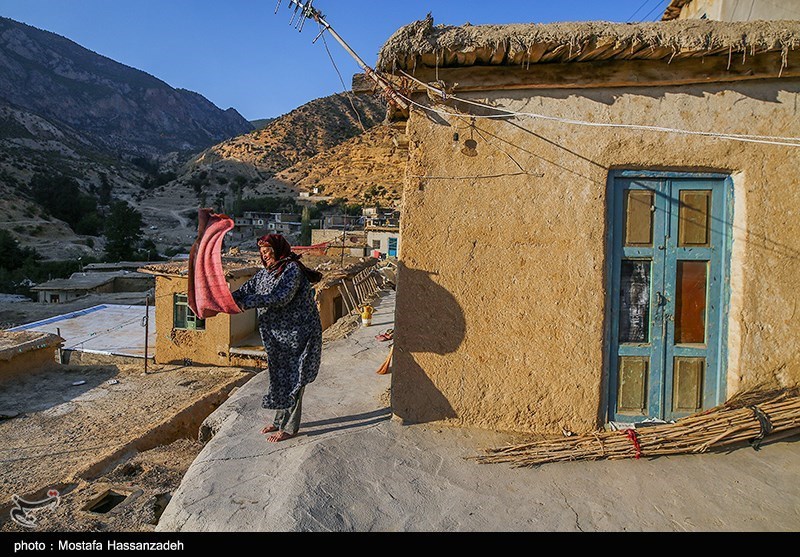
376	244
184	317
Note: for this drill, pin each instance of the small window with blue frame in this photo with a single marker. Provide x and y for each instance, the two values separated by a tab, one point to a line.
183	316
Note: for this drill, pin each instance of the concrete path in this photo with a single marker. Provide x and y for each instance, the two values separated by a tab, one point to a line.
356	469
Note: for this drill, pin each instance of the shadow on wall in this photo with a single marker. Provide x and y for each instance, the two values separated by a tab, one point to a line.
428	320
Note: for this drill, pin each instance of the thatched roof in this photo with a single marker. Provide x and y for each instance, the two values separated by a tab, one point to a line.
424	44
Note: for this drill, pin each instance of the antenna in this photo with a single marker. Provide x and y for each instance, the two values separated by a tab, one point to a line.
306	10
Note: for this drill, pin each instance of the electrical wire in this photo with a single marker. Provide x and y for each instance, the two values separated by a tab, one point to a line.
637	11
650	12
341	79
747	138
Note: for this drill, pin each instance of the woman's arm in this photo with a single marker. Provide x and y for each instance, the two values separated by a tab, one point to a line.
281	294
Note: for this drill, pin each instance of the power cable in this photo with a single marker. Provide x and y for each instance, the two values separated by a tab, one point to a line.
638	10
341	79
650	12
748	138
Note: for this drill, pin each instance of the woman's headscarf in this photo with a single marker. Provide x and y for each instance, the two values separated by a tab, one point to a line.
283	255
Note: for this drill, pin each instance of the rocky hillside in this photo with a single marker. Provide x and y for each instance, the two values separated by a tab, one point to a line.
70	116
366	169
117	109
31	145
292	138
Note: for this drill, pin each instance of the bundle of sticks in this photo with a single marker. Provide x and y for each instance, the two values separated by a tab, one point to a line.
750	417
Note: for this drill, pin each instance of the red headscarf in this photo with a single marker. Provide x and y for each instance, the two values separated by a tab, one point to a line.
283	255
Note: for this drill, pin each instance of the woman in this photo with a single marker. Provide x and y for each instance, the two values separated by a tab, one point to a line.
290	328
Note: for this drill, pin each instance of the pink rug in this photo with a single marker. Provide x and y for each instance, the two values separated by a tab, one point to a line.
209	293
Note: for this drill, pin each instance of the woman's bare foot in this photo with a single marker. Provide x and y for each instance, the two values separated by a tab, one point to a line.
280	436
269	429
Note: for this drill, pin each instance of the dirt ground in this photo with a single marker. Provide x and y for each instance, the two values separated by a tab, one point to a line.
92	430
82	430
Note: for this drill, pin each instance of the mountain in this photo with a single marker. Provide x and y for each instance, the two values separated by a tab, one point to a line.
117	109
106	131
261	123
366	169
294	137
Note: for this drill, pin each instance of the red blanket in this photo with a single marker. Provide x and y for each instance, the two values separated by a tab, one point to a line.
209	293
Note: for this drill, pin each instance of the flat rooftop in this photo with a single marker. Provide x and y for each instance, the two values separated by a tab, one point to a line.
105	329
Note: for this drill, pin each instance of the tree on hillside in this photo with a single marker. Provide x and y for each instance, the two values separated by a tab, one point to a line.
305	231
104	194
123	232
62	197
14	256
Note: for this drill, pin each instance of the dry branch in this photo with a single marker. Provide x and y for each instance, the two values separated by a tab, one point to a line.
751	417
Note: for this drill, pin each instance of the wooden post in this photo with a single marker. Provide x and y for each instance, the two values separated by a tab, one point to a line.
59	352
353	300
146	328
345	300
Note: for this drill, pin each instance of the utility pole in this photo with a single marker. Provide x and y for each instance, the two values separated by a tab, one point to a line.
344	236
307	11
146	328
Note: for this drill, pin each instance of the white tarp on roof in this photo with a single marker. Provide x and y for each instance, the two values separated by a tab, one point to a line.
105	329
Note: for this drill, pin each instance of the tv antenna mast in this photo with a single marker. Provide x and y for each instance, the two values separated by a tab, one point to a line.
305	10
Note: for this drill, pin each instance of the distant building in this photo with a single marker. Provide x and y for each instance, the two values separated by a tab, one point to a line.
109	267
381	217
80	284
384	241
286	224
382	225
254	225
343	222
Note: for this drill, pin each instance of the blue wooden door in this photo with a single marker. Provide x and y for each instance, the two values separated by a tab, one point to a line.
668	300
392	247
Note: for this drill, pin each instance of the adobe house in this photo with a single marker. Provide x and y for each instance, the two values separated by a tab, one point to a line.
231	340
27	351
600	221
223	340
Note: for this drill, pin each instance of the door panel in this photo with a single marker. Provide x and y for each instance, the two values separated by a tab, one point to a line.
690	302
633	373
669	269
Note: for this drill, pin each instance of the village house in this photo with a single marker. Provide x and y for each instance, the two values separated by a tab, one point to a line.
233	340
382	225
80	284
599	220
255	224
383	241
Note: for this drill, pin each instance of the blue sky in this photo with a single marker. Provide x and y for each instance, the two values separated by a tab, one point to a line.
240	54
